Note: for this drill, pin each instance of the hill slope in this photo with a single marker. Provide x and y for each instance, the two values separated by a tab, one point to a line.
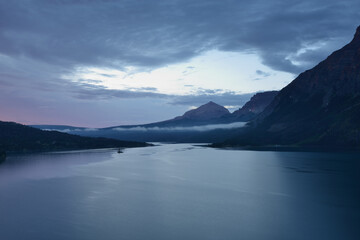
17	137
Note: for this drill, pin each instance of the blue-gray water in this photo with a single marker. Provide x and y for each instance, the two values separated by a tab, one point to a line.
180	192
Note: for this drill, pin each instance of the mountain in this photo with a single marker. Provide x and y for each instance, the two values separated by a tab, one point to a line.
321	107
207	111
17	137
210	122
212	113
255	106
206	123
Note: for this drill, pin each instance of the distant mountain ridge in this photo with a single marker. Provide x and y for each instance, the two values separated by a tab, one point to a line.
321	107
208	123
209	113
213	113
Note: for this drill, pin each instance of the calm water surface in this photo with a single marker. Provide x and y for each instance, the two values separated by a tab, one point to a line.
180	192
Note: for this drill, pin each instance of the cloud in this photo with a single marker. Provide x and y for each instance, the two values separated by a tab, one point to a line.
224	98
230	107
262	73
93	92
201	128
202	96
107	75
67	130
150	34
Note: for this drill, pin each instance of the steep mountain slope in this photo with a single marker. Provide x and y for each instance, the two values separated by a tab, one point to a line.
255	106
321	107
17	137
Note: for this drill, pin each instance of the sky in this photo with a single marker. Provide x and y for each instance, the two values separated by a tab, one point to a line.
99	63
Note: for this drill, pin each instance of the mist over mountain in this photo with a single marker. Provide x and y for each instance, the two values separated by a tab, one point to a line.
212	113
210	122
321	107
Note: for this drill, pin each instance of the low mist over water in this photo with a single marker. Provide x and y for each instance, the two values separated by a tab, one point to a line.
180	191
200	128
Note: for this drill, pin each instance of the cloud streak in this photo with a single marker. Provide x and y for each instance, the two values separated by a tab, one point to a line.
67	130
202	128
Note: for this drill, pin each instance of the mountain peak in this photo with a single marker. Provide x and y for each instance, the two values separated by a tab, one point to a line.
207	111
211	103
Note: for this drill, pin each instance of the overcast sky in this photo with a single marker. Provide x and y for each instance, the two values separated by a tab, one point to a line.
96	63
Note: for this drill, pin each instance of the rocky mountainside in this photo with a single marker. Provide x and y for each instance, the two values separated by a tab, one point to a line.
321	107
255	106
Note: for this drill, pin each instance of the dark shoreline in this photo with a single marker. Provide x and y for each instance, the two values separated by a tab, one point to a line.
5	154
73	149
283	148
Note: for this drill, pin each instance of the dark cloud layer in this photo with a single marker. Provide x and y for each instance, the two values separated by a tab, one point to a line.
225	99
153	33
202	96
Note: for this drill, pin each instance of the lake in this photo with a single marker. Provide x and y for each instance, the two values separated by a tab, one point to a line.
180	191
